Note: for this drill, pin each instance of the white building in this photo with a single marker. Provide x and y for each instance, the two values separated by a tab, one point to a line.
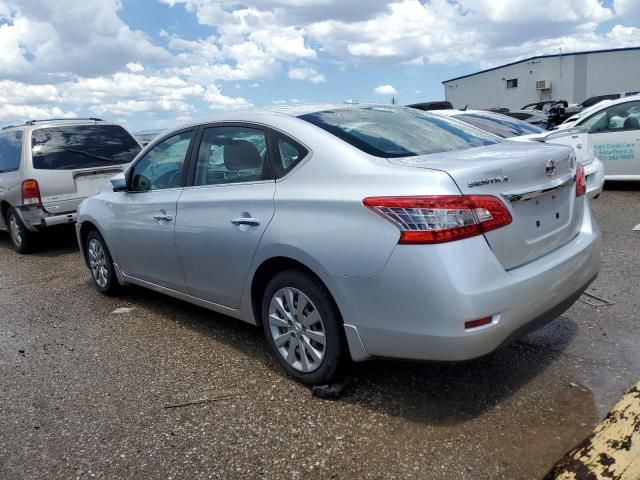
573	77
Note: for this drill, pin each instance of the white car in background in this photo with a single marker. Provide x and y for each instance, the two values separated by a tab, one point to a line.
517	130
614	128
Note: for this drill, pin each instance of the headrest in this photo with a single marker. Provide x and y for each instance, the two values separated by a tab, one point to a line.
631	123
241	155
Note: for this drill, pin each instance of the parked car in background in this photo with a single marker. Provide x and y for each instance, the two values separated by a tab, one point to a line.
48	167
350	232
437	105
544	106
146	136
614	127
513	129
538	118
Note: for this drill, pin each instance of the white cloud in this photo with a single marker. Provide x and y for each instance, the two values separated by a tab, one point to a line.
66	57
18	113
385	90
135	67
122	94
217	100
306	73
54	39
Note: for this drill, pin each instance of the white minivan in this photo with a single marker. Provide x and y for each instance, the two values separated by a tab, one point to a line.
615	133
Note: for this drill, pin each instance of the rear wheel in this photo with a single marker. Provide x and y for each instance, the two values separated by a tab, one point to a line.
303	328
21	239
101	264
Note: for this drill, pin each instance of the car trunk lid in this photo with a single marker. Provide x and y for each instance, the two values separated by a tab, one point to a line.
537	182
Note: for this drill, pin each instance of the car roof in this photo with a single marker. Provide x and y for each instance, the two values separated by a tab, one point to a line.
605	103
271	113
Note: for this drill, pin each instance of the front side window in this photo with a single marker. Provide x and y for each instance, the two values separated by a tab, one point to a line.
231	155
392	132
615	118
10	151
501	126
82	146
162	166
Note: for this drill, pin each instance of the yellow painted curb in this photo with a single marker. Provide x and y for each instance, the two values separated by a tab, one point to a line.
612	452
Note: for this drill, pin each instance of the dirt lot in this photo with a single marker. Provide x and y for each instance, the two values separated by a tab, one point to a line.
84	391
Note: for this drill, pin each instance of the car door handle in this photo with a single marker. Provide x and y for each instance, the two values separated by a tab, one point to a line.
163	216
253	222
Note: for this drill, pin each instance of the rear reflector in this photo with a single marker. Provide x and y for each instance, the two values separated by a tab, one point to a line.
581	181
441	218
477	323
30	193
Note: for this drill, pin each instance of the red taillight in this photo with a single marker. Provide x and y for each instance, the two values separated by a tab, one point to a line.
30	193
441	218
581	181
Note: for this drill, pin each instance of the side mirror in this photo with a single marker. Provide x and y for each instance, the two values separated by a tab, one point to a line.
119	182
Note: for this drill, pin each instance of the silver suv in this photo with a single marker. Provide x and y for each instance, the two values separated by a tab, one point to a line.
48	167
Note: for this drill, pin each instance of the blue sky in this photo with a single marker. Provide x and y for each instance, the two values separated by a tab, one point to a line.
155	63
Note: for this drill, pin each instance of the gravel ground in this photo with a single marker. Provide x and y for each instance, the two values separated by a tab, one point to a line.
89	393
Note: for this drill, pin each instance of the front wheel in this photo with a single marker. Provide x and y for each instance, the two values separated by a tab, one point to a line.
21	239
101	264
303	327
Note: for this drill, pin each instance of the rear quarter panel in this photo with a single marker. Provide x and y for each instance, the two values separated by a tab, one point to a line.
319	210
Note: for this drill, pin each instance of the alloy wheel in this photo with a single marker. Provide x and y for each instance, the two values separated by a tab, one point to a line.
297	329
14	229
98	263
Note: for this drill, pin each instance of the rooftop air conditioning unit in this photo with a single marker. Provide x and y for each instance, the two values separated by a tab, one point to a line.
543	85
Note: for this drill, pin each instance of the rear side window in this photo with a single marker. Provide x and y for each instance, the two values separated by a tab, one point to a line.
398	132
288	153
82	146
502	126
10	151
231	155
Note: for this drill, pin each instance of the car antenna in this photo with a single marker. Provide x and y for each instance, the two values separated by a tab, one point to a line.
465	107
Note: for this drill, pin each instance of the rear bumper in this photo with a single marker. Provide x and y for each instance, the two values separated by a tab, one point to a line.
594	173
416	308
36	219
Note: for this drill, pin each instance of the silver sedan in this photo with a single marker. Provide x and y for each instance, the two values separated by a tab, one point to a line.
350	232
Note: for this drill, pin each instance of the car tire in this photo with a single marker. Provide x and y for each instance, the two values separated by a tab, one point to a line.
101	264
298	315
22	239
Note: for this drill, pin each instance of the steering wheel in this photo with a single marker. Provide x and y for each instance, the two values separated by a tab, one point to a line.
169	179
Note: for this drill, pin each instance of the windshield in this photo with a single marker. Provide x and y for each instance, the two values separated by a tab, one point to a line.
82	146
398	132
500	125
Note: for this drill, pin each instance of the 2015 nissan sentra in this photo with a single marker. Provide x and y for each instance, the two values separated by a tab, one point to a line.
350	232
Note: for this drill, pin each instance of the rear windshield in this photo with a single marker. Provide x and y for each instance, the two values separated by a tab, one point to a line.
82	146
398	132
502	126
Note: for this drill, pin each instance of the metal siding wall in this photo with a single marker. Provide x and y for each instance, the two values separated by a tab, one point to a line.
613	72
609	72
